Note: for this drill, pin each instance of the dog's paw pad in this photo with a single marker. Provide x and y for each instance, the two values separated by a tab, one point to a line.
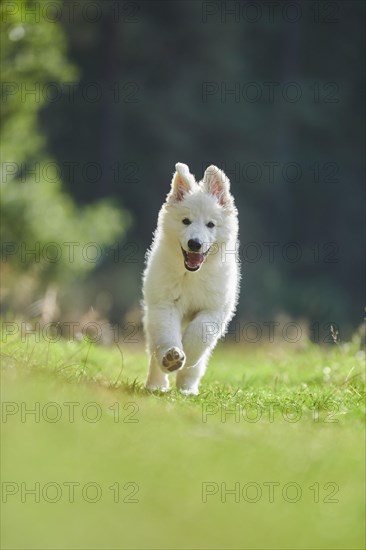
173	359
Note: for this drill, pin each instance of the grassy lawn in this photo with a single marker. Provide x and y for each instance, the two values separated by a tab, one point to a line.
269	455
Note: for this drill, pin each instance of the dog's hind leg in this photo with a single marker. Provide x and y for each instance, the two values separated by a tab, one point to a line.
200	335
199	339
156	379
188	378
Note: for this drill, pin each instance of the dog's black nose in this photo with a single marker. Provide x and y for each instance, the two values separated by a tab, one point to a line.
194	245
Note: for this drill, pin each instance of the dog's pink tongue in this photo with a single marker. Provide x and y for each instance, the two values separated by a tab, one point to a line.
194	259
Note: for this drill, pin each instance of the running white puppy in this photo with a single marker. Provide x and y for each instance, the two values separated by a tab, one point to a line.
191	279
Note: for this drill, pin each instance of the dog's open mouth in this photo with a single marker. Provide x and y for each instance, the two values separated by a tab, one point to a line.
193	260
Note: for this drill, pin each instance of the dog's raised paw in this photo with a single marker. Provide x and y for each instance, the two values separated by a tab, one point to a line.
173	359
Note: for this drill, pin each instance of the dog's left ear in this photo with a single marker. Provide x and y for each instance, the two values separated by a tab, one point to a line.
183	182
216	183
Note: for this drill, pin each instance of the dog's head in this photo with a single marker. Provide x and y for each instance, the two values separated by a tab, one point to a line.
200	213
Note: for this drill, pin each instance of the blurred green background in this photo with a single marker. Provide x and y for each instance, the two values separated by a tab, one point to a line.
101	99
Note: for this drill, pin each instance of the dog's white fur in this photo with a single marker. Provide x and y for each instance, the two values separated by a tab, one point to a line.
185	313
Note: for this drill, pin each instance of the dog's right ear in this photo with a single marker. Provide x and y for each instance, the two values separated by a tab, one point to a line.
183	182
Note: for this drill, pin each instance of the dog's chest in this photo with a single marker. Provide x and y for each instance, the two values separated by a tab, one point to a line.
192	294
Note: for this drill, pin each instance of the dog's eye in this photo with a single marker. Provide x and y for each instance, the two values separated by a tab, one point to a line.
210	225
186	221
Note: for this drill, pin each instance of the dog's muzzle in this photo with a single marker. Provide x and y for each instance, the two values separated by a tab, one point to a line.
193	260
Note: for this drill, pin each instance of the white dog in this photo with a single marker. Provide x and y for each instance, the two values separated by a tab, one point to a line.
191	279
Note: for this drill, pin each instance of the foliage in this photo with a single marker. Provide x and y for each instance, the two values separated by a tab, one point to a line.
36	211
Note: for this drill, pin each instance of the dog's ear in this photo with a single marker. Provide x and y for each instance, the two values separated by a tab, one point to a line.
216	183
183	182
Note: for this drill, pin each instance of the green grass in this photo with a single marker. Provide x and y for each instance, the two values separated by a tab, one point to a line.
266	415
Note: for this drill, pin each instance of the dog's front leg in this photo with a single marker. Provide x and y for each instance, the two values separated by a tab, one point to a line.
199	339
156	379
163	328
